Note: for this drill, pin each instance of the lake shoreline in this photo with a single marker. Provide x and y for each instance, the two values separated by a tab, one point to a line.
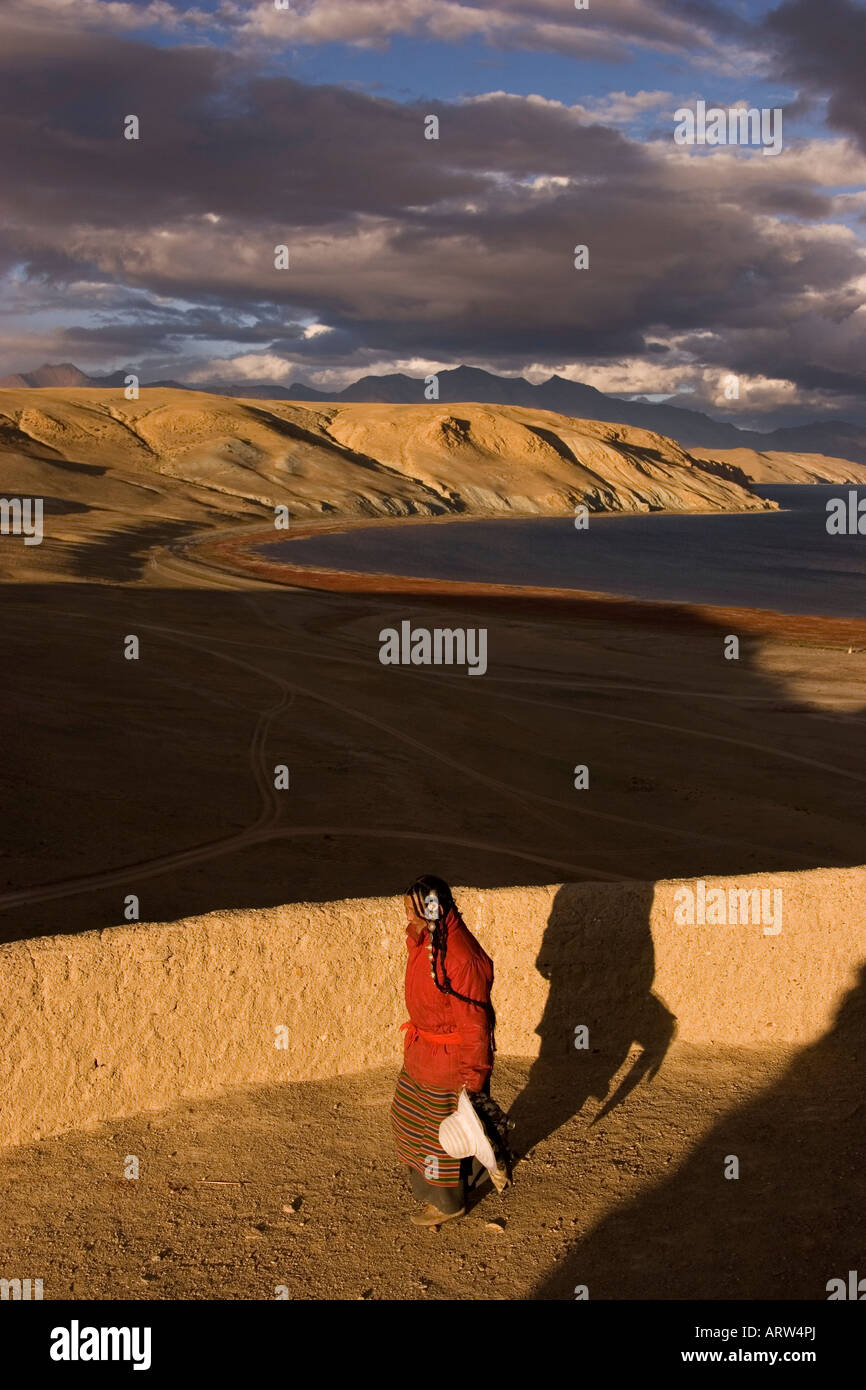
238	553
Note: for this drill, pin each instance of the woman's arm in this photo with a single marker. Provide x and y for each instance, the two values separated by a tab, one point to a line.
475	1054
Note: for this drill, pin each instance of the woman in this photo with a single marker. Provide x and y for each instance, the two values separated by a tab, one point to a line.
448	1046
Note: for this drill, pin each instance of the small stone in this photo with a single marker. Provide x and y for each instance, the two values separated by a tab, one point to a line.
497	1225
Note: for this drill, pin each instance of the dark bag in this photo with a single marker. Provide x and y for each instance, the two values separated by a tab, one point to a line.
496	1125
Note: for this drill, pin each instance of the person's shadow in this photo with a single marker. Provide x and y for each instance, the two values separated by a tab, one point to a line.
597	954
791	1222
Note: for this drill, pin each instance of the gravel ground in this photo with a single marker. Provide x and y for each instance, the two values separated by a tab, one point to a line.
297	1186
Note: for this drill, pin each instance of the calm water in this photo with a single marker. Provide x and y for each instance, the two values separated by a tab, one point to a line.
783	560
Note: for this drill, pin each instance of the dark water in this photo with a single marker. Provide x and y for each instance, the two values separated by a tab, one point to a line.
783	560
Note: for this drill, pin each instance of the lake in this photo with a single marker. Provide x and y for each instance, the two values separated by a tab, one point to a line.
783	560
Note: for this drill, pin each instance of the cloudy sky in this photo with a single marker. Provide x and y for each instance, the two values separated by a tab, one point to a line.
304	126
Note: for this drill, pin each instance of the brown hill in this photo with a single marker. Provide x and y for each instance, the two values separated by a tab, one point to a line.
184	456
774	467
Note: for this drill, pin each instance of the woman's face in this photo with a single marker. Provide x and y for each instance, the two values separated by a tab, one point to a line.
413	921
431	911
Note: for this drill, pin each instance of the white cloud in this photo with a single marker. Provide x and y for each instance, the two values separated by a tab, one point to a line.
622	108
248	366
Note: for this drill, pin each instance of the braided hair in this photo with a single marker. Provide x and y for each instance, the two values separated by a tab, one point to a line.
429	883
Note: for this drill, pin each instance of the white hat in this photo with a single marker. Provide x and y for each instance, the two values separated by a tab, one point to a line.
461	1135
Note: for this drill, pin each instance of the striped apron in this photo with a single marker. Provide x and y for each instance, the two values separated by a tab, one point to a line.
416	1114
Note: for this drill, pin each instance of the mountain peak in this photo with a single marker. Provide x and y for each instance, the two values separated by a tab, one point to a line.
49	374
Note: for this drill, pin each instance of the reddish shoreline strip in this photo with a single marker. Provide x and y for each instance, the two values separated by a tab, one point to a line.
238	555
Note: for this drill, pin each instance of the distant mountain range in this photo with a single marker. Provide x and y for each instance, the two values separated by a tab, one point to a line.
691	428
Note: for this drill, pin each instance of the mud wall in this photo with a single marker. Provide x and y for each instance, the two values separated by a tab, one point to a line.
133	1018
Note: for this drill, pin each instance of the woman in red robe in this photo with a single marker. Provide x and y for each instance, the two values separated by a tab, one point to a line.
448	1045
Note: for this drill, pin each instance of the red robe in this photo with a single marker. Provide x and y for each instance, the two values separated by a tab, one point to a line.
467	1061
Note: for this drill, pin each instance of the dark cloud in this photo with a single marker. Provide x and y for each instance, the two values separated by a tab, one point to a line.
456	249
821	46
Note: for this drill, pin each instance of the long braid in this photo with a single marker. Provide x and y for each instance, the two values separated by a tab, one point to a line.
439	950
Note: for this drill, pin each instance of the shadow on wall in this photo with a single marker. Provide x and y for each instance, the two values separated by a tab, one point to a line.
791	1221
600	970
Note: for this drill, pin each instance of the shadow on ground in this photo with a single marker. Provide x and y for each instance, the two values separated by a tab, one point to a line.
789	1223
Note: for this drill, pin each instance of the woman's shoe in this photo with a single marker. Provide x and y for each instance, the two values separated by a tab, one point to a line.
432	1216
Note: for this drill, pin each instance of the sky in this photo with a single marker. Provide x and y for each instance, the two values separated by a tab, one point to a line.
722	277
